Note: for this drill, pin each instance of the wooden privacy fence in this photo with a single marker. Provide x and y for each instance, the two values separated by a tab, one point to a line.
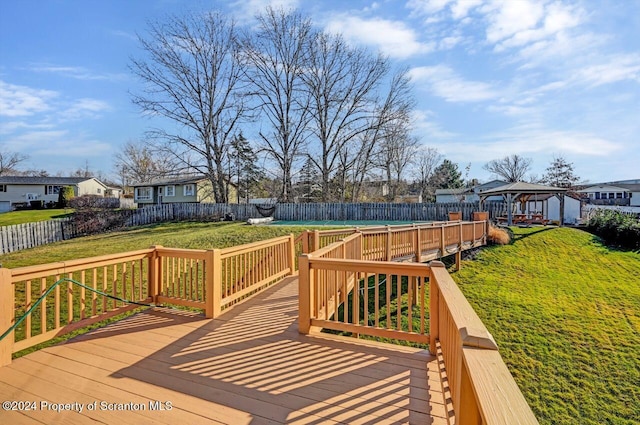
17	237
211	280
342	289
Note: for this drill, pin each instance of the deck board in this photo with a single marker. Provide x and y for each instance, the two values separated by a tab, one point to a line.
249	366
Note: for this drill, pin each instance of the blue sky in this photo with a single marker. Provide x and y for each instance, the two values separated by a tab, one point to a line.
536	78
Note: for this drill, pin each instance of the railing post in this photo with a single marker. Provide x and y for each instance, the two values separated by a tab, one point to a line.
388	252
305	242
213	283
316	240
7	313
292	254
442	243
304	294
434	307
155	274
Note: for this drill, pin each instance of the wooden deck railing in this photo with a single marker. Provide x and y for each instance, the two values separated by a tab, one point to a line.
212	280
342	289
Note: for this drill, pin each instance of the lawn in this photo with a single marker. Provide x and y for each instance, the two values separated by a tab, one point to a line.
172	235
565	311
30	216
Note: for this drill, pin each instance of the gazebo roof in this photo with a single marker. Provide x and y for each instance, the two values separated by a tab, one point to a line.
522	188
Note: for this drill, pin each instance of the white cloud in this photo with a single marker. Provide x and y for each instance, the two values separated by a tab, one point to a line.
56	143
246	10
20	101
444	82
393	38
616	68
76	72
428	128
530	142
84	108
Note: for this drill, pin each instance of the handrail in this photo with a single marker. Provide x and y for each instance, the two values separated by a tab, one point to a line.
482	389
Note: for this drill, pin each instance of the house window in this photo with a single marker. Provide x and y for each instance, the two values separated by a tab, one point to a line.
52	190
619	195
189	190
143	193
99	190
169	191
3	187
612	195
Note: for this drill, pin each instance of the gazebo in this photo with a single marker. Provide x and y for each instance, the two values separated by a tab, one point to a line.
523	192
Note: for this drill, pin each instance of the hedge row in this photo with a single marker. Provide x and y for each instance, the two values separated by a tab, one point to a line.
616	228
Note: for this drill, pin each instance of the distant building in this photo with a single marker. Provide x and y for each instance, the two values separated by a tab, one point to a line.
468	194
20	190
191	189
624	193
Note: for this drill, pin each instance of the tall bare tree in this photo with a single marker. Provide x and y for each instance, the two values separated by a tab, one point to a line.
427	159
10	160
192	76
391	117
138	162
511	168
276	56
342	82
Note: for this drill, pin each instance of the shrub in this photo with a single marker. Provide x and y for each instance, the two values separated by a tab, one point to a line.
498	236
64	196
616	228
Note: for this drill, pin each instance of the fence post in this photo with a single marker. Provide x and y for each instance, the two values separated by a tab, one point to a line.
434	307
213	283
7	312
292	254
304	294
442	243
155	274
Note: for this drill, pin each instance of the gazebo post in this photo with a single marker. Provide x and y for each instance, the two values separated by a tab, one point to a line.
509	213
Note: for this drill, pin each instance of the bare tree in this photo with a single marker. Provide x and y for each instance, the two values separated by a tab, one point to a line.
193	77
425	164
10	160
342	82
275	57
511	168
140	163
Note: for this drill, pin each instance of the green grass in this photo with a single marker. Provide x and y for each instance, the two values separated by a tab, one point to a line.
30	216
172	235
565	312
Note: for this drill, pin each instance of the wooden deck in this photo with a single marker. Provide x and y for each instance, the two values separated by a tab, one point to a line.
248	366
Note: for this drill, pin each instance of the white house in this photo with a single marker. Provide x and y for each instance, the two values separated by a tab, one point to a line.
22	189
188	189
613	194
468	194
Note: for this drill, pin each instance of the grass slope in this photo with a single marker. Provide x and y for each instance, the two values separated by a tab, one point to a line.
31	216
172	235
565	311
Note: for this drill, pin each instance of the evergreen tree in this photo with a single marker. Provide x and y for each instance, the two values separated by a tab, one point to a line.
309	188
560	173
244	173
446	176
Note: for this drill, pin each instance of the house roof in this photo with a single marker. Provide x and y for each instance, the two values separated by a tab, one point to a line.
459	191
522	187
58	181
605	187
491	184
172	181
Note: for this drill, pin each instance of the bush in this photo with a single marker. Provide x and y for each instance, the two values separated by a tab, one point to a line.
64	196
616	228
498	236
94	202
